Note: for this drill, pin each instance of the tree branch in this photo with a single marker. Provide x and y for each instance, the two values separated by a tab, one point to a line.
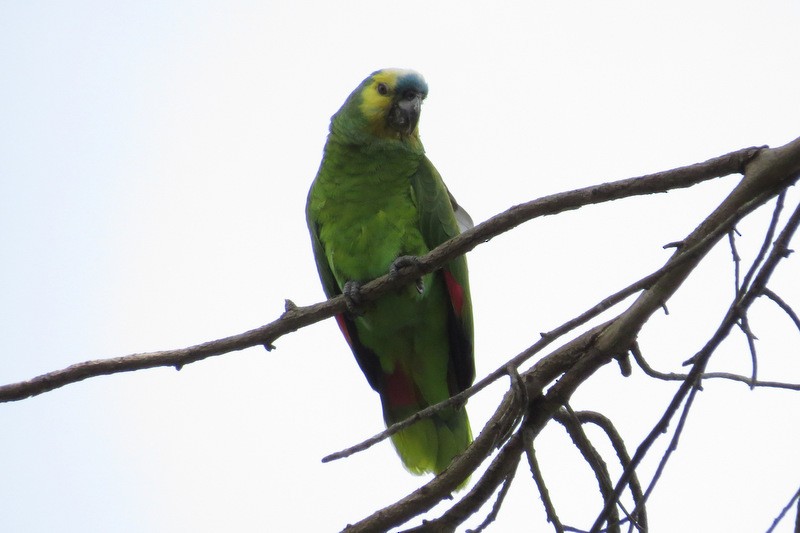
700	360
795	498
297	317
672	376
538	478
501	496
638	518
567	418
783	305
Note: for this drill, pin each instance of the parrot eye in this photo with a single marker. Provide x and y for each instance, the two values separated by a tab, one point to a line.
383	89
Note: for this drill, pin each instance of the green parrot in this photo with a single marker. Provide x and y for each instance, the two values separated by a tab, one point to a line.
376	199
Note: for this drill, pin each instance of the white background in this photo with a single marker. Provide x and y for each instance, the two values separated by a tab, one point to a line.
154	165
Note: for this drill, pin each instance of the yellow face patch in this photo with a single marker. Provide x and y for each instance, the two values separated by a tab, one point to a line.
376	100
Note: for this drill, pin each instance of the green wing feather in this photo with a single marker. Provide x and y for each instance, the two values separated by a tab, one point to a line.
440	219
438	223
365	357
329	284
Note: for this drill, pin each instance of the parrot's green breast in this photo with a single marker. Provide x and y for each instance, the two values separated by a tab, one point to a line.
367	218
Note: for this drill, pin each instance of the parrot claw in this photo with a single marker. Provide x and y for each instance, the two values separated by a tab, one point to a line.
352	298
402	262
409	261
420	285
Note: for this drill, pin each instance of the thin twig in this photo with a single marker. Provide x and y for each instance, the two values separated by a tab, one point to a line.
767	242
736	259
673	445
797	518
744	325
538	478
567	418
501	496
762	252
783	305
659	428
795	498
638	518
672	376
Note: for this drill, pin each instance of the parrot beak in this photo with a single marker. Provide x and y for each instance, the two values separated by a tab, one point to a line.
404	114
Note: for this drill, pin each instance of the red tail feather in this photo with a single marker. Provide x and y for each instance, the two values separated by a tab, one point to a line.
400	390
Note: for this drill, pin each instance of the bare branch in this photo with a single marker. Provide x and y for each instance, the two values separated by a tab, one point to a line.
673	445
660	427
783	305
297	317
672	376
567	418
638	518
795	498
771	229
536	472
736	259
797	518
744	325
768	173
501	496
700	360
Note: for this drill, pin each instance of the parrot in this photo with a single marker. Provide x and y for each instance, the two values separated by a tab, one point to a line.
377	202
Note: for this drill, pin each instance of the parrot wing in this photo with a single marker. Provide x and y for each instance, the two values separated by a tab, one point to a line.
440	219
462	217
366	358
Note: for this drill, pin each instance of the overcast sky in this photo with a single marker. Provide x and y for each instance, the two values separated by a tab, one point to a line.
154	163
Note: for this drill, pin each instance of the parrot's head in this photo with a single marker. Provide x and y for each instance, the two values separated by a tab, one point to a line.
385	107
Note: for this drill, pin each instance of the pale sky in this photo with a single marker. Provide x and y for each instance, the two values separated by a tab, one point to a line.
154	163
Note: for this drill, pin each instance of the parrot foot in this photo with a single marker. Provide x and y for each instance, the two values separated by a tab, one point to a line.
407	261
352	298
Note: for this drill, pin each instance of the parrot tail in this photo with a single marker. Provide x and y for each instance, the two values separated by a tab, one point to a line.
430	444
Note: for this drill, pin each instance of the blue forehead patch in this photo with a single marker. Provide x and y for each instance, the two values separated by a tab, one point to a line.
411	80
